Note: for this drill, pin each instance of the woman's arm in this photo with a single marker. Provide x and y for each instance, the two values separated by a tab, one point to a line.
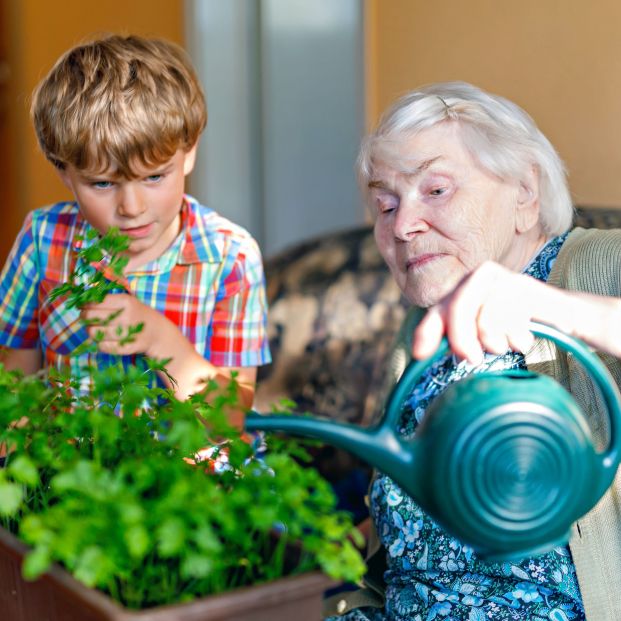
491	308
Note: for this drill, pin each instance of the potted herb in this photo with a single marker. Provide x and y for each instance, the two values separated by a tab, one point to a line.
101	500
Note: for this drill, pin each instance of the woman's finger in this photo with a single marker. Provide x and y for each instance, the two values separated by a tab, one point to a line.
428	334
521	340
463	310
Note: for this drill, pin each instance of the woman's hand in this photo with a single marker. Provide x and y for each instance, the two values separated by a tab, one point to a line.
490	310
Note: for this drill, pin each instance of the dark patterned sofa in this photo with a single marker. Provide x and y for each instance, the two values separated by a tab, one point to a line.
334	312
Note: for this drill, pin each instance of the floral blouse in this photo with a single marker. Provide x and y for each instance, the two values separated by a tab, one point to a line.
430	574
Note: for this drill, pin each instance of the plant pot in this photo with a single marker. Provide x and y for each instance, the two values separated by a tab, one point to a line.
57	596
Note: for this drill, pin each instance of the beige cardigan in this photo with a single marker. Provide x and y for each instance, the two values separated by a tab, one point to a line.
590	260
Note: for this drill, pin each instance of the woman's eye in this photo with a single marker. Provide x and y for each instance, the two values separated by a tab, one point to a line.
437	191
386	204
437	187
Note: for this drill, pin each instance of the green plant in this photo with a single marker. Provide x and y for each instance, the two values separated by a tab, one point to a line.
99	481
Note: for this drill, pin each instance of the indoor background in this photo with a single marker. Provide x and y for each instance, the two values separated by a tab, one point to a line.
293	84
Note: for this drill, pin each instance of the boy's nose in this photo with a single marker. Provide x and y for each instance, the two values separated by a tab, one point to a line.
130	203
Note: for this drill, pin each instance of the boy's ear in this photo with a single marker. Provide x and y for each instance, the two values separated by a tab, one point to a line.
190	159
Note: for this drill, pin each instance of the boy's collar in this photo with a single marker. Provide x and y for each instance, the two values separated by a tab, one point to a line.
194	244
198	244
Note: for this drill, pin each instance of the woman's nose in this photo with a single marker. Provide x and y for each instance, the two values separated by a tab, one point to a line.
131	203
409	219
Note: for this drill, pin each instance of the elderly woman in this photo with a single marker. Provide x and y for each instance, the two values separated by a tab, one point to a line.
472	215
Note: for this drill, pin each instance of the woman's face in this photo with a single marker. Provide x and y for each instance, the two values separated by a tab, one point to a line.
440	221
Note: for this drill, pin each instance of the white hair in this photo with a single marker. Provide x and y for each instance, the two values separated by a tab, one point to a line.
498	134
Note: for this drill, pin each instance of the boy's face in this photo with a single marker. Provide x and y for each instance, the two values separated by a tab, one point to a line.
146	208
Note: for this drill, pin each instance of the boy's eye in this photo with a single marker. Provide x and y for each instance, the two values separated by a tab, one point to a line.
437	191
154	178
101	185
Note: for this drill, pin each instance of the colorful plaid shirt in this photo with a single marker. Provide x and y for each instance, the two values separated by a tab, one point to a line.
209	283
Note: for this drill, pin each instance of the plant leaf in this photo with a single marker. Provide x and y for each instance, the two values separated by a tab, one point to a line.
11	496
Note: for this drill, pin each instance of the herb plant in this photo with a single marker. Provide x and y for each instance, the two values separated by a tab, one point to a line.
102	482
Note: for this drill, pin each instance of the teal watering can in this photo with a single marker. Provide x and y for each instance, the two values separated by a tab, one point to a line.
502	460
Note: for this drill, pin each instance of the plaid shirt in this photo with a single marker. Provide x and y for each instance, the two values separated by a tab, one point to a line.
209	283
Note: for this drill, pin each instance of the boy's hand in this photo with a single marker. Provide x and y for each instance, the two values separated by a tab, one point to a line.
161	339
119	312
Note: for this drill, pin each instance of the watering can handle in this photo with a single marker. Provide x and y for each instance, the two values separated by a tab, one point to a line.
593	365
602	378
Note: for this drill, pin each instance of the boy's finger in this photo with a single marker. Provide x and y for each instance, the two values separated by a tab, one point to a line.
100	314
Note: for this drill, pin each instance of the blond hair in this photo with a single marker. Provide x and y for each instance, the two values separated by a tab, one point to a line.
116	102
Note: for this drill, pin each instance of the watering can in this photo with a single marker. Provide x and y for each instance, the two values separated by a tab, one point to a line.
503	460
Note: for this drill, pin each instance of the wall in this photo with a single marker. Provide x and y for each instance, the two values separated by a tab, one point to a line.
34	34
284	84
559	59
8	185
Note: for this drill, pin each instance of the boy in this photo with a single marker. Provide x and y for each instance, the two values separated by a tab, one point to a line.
120	118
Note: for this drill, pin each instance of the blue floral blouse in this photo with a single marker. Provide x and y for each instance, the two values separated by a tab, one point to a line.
430	574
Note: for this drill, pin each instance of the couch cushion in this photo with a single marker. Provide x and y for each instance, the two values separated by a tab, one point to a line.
334	311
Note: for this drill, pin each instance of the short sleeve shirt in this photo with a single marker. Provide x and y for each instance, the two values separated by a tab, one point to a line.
209	282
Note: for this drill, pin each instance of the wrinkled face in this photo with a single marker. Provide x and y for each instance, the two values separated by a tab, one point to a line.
445	216
146	208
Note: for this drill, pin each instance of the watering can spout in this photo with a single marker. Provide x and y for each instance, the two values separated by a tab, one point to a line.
373	445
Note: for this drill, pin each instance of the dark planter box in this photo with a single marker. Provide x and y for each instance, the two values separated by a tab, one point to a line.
56	596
